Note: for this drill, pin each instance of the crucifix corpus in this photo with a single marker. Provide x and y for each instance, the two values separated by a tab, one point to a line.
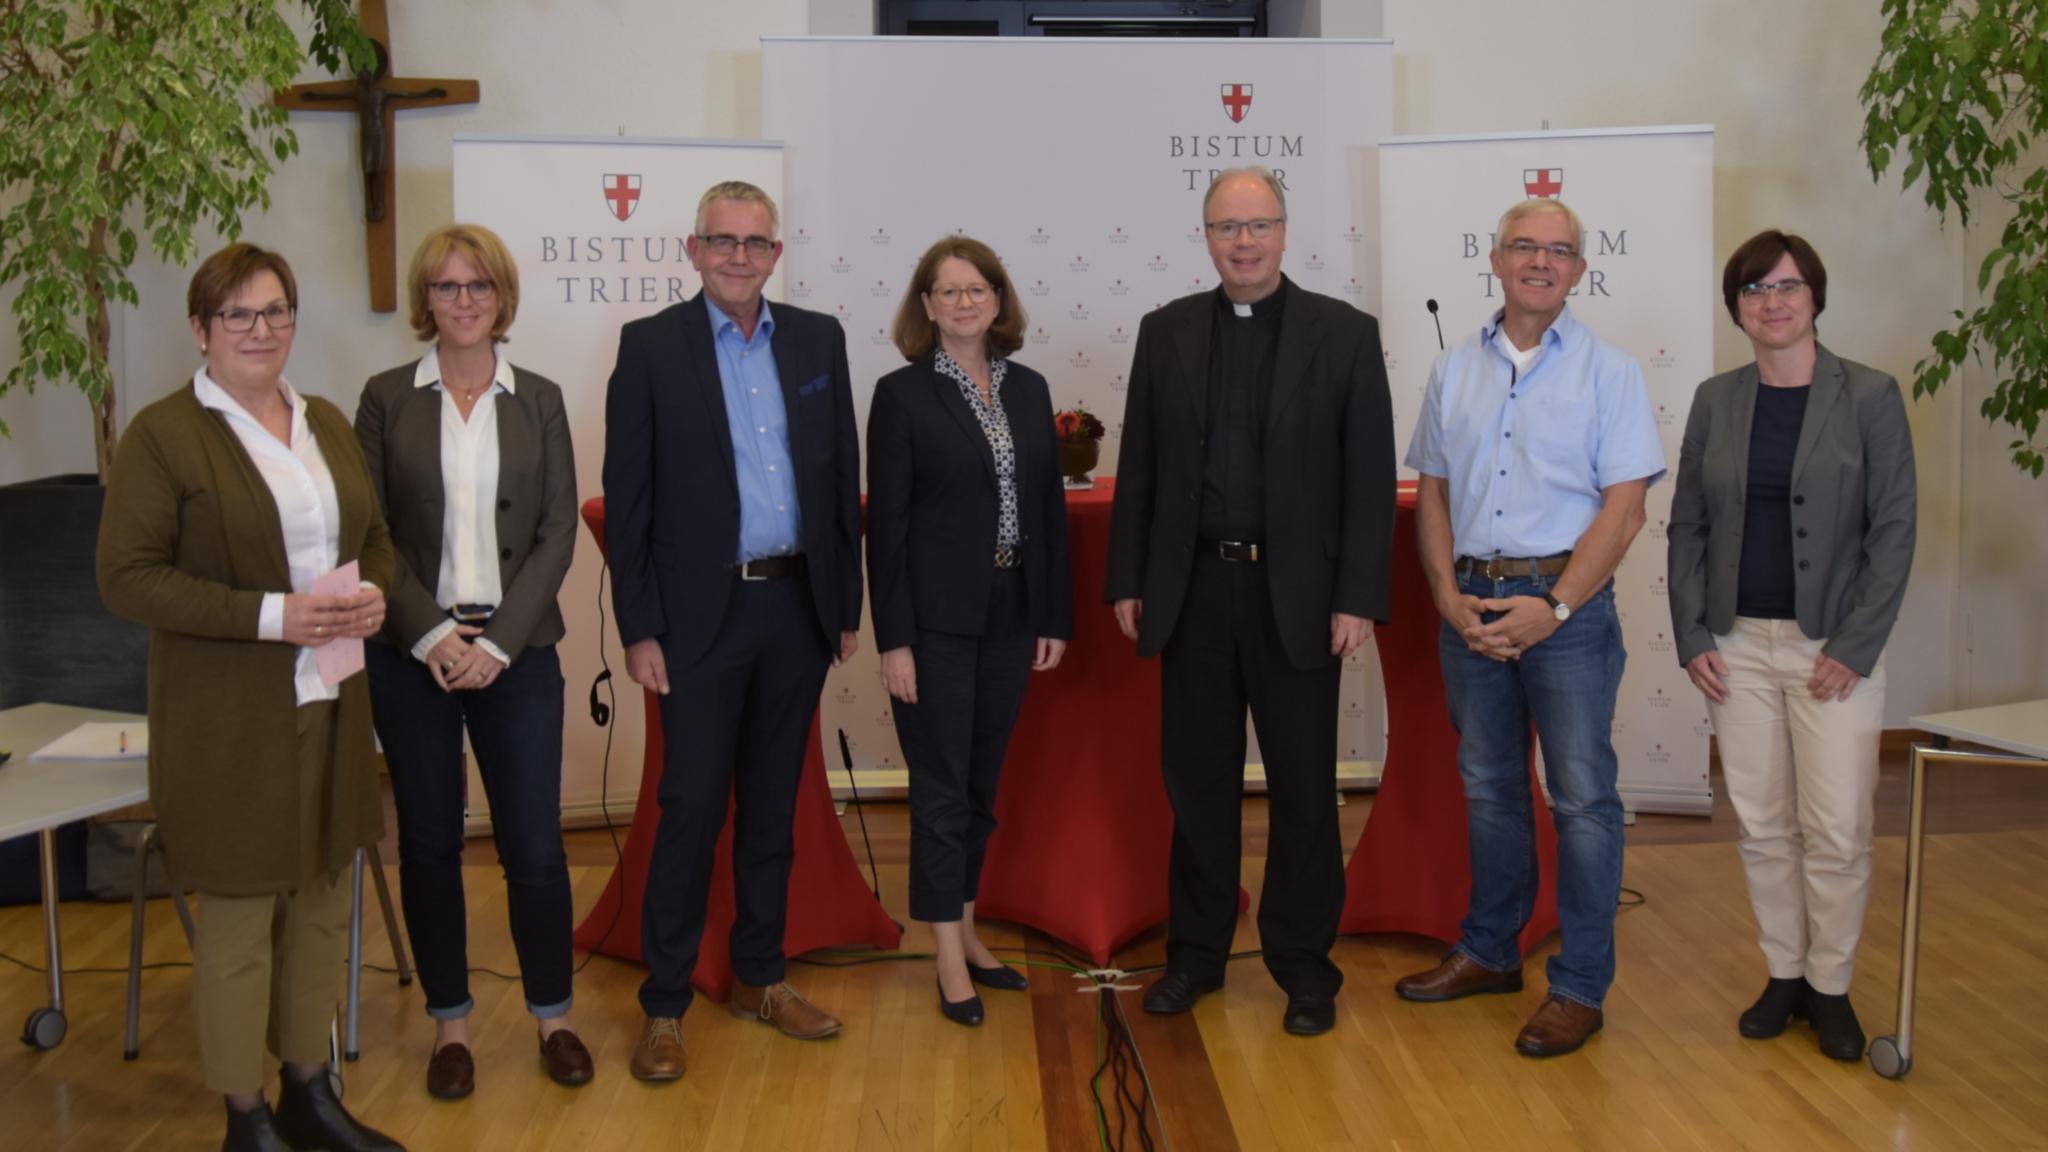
375	97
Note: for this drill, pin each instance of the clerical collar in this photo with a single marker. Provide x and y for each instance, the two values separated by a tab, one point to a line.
1263	309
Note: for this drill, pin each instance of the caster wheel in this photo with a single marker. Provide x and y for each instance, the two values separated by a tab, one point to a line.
45	1029
1886	1059
334	1081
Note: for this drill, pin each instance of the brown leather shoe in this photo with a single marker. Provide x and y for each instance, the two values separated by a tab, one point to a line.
1560	1026
1457	977
782	1006
659	1055
451	1073
568	1061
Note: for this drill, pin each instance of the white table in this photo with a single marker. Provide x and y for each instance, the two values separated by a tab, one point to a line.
38	795
2020	732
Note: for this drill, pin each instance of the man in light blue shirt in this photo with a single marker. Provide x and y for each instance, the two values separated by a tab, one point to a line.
1536	446
771	519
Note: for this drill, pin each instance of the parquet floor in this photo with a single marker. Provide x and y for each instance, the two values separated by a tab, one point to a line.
1668	1072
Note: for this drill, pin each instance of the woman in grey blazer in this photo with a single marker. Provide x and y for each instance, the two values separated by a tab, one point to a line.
1790	542
473	466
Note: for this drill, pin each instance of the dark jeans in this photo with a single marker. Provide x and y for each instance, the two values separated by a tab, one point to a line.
969	689
1566	687
1225	654
736	723
515	729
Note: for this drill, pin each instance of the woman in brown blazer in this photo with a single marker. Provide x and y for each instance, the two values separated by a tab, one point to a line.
472	464
226	501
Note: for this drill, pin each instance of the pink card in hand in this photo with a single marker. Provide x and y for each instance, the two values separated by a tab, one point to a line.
339	659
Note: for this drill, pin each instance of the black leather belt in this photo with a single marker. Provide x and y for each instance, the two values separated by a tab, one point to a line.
1236	551
1008	558
770	568
1513	567
476	614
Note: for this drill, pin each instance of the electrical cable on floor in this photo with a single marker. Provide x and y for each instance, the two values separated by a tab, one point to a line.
602	715
860	810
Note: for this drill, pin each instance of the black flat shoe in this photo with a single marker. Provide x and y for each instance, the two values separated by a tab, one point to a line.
1176	992
966	1011
1782	1002
1841	1037
1309	1014
251	1131
311	1119
1002	978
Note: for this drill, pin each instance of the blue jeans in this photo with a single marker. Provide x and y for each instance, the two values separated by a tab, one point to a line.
1566	687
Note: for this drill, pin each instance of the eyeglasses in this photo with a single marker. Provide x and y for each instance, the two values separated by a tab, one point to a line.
1782	289
1259	229
1527	250
240	320
447	291
949	295
759	247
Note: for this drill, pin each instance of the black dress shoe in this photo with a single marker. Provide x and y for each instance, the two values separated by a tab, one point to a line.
1782	1001
251	1131
966	1011
1841	1037
1176	992
1310	1014
311	1119
1002	978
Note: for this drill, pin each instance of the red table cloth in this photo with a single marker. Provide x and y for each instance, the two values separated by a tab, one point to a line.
829	900
1411	871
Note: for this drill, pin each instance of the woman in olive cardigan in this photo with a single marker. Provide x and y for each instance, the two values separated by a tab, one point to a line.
226	500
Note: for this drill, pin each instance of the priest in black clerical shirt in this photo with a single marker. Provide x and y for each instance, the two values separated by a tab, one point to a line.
1249	550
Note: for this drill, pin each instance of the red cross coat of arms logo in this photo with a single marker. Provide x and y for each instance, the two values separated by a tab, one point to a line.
1543	182
622	194
1237	101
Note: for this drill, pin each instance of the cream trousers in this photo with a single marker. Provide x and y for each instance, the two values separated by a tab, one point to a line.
1801	774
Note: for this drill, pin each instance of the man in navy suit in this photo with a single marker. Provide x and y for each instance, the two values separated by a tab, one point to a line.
732	521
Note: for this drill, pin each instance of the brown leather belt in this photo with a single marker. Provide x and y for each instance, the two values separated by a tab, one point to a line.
770	568
1513	567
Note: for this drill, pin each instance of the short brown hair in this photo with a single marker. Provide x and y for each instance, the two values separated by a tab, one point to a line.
1761	253
224	273
481	247
915	334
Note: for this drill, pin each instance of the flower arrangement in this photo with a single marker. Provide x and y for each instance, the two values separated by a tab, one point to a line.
1077	425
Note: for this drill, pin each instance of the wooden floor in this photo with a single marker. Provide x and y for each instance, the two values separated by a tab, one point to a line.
1669	1071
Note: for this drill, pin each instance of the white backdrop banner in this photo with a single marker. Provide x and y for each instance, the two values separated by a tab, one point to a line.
1083	164
1651	287
596	226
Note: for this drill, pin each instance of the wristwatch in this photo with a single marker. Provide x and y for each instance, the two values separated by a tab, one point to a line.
1559	608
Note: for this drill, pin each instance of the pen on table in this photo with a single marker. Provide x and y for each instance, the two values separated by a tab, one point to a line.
124	741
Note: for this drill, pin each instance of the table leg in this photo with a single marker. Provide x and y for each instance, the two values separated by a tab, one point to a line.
355	952
1892	1056
46	1026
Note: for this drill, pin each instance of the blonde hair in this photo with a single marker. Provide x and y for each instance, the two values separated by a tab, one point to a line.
481	247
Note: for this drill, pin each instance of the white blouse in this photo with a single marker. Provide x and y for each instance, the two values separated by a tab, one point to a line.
469	481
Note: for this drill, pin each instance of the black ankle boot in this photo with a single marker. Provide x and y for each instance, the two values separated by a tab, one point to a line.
1781	1002
311	1119
1841	1037
251	1131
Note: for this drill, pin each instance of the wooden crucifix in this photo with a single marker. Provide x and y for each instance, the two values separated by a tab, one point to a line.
375	97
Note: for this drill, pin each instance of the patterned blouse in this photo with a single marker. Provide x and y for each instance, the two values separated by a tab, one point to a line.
995	424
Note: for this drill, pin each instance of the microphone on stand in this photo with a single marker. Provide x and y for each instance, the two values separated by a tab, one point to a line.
1431	305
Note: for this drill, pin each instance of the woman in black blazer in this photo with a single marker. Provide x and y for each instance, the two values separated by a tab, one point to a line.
967	572
1791	538
473	466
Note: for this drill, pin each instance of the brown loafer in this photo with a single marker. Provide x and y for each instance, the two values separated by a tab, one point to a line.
782	1006
659	1055
451	1073
568	1061
1560	1026
1457	977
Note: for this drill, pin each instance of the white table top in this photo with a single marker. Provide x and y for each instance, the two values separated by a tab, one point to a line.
39	794
2021	728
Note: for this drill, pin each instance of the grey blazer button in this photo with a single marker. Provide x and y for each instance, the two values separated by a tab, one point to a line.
1801	533
1799	500
1805	564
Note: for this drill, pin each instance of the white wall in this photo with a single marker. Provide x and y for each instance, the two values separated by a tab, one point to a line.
1779	85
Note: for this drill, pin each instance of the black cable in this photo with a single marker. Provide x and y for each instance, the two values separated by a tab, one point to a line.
1638	902
40	970
846	757
604	787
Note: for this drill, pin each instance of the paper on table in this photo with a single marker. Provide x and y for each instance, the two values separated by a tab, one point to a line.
99	740
339	659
